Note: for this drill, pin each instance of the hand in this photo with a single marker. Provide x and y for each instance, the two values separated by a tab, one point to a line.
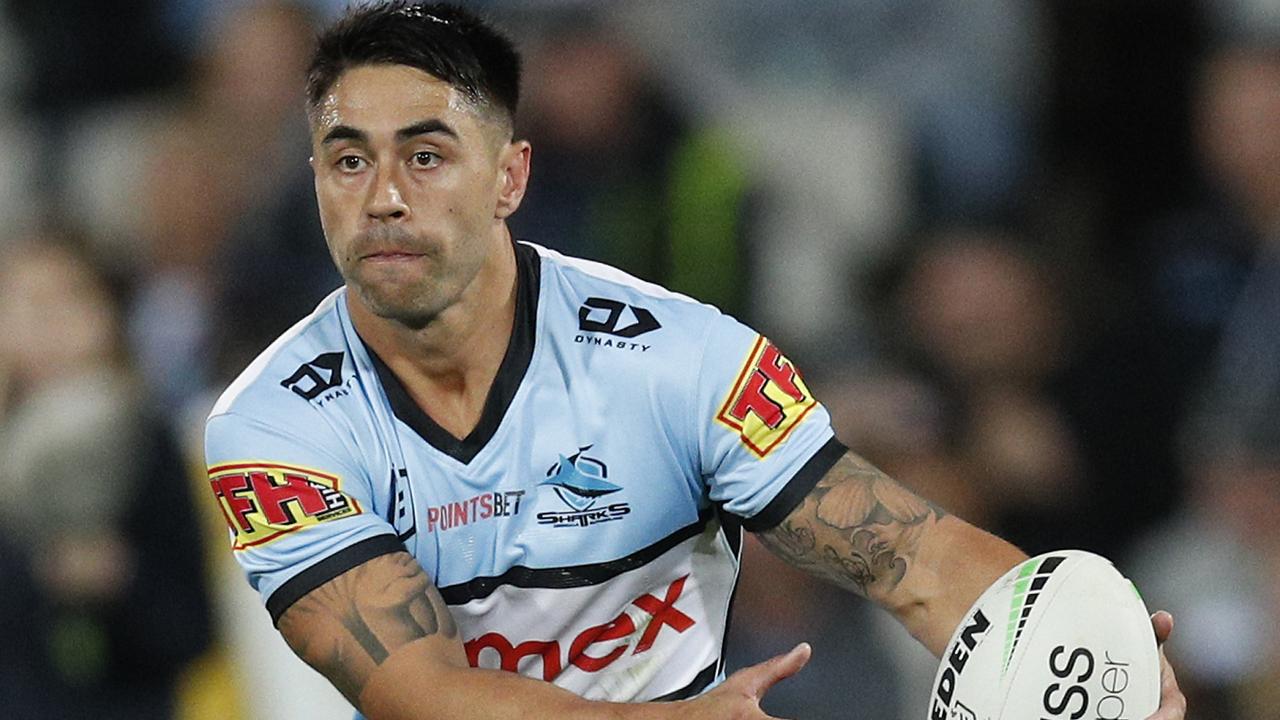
1173	705
738	697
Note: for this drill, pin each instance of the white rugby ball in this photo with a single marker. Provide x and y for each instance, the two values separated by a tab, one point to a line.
1062	636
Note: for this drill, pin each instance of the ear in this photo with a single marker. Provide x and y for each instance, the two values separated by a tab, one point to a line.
513	178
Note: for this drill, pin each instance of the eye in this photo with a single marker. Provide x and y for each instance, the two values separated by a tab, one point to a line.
350	163
425	159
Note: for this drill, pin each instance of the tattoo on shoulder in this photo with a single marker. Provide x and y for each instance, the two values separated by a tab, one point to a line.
857	528
350	625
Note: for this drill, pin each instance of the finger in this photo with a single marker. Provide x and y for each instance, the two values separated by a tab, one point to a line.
1173	704
757	679
1162	623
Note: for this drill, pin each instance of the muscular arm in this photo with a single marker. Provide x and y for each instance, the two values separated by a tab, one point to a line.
862	531
384	637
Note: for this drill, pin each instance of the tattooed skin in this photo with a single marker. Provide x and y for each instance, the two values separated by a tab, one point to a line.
350	625
857	528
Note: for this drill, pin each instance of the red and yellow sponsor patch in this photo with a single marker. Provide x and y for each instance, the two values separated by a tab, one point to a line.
768	400
262	501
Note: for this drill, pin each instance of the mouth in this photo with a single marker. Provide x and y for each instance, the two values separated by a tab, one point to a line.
390	255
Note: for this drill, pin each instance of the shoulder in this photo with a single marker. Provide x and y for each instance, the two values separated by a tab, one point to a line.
306	360
600	301
582	272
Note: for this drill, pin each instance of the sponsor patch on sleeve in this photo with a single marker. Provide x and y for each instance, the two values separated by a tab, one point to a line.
768	400
263	501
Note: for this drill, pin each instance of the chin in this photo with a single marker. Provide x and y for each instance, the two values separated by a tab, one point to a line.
415	310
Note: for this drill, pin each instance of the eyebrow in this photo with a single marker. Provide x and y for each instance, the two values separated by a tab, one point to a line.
344	132
424	127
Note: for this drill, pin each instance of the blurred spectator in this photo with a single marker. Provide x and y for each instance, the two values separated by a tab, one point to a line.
979	321
1215	567
622	175
1217	299
855	119
187	196
1198	254
79	54
272	266
1241	410
95	514
233	253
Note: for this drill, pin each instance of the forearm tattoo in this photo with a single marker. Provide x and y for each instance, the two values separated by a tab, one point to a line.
857	528
350	625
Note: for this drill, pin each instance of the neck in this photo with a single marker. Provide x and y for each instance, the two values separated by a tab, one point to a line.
448	365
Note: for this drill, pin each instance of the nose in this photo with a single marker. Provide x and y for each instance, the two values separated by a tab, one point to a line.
384	201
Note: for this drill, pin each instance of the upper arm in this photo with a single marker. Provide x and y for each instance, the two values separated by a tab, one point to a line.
351	625
860	529
330	569
767	447
762	437
857	528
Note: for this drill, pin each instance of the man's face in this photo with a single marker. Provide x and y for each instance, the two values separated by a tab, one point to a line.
413	183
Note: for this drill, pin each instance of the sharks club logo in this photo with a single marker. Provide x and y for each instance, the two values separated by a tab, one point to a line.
581	482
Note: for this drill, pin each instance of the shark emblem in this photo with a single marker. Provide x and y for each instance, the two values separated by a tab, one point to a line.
579	480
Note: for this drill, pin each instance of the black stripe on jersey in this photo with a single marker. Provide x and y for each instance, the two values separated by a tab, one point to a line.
401	506
574	575
699	683
510	372
732	527
797	488
733	533
327	569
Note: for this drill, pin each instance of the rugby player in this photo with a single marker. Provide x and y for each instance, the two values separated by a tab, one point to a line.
483	479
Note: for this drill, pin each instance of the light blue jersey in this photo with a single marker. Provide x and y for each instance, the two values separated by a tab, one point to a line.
587	531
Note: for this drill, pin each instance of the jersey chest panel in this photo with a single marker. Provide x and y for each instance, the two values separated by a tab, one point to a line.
567	480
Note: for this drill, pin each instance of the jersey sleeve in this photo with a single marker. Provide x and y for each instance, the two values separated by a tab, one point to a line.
298	514
765	440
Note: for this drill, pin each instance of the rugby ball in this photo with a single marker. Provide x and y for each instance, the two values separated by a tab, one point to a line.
1062	636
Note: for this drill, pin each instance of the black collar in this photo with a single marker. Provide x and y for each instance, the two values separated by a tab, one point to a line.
514	365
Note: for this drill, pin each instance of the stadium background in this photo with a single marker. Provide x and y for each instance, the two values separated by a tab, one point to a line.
1025	251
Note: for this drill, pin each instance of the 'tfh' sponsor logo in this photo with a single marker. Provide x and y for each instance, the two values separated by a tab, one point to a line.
580	481
972	634
596	647
768	400
262	501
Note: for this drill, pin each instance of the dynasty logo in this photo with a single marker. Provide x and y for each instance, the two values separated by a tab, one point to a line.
602	316
580	482
319	380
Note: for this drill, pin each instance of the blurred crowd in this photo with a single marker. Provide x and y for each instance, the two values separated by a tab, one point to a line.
1028	254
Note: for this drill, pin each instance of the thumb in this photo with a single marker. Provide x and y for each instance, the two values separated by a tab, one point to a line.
757	679
1162	623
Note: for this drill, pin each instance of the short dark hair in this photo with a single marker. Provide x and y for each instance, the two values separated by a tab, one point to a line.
441	39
